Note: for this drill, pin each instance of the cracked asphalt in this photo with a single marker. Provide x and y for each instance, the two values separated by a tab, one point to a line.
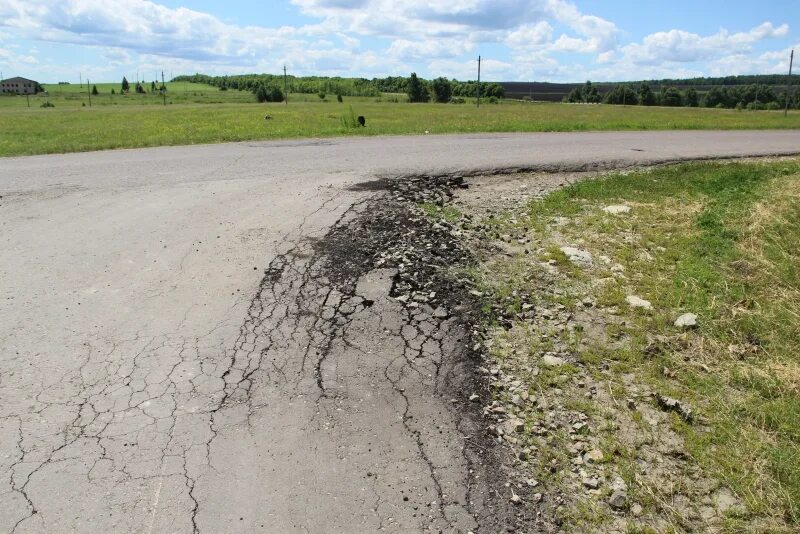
179	354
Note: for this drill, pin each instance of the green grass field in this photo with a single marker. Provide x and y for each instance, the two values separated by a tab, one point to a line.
198	113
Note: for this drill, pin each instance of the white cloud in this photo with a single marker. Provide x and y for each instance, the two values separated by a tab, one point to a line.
530	36
491	69
405	50
685	47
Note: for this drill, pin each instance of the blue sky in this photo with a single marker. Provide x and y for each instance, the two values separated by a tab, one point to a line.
543	40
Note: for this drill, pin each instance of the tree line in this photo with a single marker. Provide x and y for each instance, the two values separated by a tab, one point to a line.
270	87
753	96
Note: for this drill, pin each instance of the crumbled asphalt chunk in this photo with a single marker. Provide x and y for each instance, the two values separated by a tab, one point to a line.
427	256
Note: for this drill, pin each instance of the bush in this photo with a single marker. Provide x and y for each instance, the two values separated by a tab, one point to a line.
321	96
493	100
94	90
349	120
48	105
457	100
339	97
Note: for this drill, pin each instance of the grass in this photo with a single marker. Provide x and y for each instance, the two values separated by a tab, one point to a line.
202	114
721	240
448	213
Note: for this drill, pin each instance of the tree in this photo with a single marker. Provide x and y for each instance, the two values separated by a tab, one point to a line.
265	93
690	98
646	96
153	86
574	96
94	90
125	85
493	90
139	88
113	92
416	89
670	96
590	93
717	97
621	95
442	90
339	97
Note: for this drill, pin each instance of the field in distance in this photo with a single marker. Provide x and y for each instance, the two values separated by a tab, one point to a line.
197	113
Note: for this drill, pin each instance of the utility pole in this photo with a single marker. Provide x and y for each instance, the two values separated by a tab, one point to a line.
163	88
285	87
479	81
80	79
788	84
88	90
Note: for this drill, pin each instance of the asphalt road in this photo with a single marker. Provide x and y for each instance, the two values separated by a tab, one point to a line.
153	378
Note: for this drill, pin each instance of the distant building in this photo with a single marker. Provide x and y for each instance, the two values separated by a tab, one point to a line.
19	86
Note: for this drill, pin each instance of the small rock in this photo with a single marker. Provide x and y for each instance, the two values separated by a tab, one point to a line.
618	500
474	397
637	510
553	361
513	425
516	499
687	320
578	256
617	209
674	405
591	483
594	456
637	302
579	427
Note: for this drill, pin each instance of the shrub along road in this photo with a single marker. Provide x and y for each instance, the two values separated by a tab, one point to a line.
257	336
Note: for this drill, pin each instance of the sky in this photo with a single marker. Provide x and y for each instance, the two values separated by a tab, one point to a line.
519	40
